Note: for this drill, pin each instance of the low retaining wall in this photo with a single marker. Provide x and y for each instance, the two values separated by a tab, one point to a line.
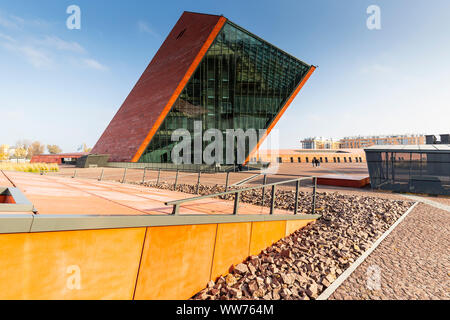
163	166
153	262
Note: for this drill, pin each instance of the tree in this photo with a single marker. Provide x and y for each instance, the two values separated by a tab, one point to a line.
36	148
53	149
20	153
85	148
4	152
24	144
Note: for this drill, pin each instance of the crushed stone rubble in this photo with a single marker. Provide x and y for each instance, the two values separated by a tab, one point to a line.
305	263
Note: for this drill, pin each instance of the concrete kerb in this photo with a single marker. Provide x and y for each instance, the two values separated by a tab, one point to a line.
428	202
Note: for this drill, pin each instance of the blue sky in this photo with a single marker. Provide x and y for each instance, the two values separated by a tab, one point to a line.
62	86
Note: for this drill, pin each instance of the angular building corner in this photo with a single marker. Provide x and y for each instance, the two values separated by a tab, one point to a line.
210	70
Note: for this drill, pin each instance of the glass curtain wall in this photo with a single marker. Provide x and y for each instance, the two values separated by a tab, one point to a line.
241	83
416	172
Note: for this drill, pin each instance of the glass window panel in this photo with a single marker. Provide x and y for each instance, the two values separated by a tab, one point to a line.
242	82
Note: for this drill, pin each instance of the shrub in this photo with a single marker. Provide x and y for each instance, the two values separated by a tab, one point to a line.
29	167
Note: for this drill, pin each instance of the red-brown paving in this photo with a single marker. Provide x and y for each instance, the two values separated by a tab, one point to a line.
63	195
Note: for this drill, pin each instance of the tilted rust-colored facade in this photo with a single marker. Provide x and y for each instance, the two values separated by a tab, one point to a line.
178	79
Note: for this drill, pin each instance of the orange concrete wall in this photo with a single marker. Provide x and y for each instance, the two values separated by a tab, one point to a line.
294	225
265	234
178	261
172	262
232	246
90	264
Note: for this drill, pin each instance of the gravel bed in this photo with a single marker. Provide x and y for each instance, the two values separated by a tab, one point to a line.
305	263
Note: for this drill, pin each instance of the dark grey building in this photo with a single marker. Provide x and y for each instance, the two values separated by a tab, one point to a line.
408	168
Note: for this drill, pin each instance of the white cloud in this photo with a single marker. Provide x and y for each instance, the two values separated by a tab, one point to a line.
38	58
42	50
94	64
45	52
10	22
376	68
17	23
144	27
35	56
6	37
60	44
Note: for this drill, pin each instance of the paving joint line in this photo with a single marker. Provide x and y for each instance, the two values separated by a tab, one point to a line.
337	283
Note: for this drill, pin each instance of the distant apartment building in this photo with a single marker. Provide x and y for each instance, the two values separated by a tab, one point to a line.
364	142
319	143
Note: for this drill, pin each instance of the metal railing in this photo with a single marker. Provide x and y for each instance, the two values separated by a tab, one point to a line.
159	175
158	179
145	170
177	172
237	192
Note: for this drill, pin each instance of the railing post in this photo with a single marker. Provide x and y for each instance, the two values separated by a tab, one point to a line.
177	204
75	173
314	195
176	209
272	202
159	175
226	182
176	181
297	187
101	175
264	190
143	176
124	175
236	203
198	181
